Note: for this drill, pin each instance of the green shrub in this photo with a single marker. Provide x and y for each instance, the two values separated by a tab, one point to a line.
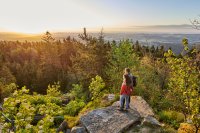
168	129
87	108
187	128
71	121
73	107
44	99
58	120
77	93
171	117
53	90
117	97
91	106
37	99
6	90
96	87
23	107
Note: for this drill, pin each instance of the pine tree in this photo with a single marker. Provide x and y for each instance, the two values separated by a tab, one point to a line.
121	57
47	37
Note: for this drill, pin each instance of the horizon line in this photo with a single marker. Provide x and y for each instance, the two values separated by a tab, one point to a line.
128	29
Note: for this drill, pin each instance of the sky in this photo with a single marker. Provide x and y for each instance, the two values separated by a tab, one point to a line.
36	16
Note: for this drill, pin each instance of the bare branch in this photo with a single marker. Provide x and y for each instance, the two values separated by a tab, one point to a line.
195	23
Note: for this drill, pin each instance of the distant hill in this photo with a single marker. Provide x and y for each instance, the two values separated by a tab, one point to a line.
151	39
167	40
173	41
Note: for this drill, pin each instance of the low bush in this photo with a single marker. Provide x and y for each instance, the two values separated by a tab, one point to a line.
71	120
23	108
6	90
187	128
73	107
171	117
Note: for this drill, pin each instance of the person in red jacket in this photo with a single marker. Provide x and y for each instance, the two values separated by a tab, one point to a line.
127	71
125	92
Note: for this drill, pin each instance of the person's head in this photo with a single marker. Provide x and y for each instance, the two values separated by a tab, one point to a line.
127	71
127	79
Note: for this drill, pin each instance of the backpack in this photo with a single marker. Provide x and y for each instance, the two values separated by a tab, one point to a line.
134	80
128	80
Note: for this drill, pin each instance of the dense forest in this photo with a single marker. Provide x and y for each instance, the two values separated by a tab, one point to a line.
62	79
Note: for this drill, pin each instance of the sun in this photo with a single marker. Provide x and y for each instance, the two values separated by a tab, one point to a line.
26	30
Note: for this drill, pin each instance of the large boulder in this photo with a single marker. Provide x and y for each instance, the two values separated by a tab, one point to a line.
139	104
109	120
146	112
138	119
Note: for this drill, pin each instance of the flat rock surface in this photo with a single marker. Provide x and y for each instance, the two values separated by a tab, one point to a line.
138	119
109	120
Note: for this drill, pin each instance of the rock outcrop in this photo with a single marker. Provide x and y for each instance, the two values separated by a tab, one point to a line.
109	120
151	122
139	104
78	130
139	119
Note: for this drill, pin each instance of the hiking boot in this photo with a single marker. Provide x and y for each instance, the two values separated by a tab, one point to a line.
121	109
128	107
125	110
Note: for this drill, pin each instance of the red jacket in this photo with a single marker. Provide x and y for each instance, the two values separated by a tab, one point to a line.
125	90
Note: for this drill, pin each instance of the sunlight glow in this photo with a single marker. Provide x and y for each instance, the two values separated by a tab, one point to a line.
33	16
36	16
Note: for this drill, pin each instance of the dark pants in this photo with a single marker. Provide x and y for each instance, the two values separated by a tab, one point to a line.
129	100
124	98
